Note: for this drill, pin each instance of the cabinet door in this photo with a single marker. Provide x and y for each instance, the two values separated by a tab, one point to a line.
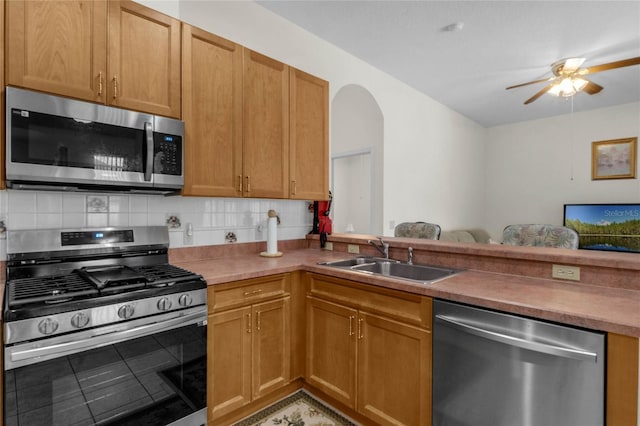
265	126
144	59
229	361
394	372
2	107
58	47
212	110
309	136
271	346
331	349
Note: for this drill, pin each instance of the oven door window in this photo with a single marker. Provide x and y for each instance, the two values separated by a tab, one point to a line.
151	380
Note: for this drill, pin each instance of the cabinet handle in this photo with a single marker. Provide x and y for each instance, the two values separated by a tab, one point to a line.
351	318
293	187
258	320
100	83
360	333
249	293
239	183
248	323
115	86
248	183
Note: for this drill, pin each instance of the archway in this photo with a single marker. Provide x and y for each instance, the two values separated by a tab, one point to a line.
357	136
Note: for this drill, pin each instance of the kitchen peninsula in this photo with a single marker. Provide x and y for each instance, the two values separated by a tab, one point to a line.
511	279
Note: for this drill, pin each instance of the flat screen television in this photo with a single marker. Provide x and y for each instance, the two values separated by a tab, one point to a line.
614	227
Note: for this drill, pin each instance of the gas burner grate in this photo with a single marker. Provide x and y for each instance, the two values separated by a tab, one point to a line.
165	273
48	289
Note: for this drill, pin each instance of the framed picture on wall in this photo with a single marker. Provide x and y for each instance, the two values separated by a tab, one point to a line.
614	159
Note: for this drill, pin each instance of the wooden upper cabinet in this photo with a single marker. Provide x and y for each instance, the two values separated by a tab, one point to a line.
212	110
65	48
144	59
57	47
2	111
265	127
309	136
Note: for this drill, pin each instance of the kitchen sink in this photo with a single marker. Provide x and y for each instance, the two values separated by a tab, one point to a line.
355	261
394	268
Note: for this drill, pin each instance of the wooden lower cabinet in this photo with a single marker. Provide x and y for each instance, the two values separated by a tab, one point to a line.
249	346
377	365
394	372
331	349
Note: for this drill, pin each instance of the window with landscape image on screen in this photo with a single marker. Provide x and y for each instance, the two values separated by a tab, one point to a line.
614	227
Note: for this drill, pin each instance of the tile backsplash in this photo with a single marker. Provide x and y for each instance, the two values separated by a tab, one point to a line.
210	218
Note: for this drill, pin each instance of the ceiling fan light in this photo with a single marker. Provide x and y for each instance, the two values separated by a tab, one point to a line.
555	90
567	88
579	83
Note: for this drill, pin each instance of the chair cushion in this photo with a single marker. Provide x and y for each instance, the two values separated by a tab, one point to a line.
540	235
429	231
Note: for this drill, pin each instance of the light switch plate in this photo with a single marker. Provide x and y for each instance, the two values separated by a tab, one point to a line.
353	248
565	272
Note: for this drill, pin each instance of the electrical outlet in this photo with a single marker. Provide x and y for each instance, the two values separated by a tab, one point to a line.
187	239
565	272
353	248
328	245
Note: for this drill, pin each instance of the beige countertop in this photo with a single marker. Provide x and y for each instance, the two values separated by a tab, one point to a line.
591	306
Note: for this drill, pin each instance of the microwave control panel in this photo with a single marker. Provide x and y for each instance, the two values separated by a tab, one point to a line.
167	154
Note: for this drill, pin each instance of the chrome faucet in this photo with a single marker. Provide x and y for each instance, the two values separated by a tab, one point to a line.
410	255
383	248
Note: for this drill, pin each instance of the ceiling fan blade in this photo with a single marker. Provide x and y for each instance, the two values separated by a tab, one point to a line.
611	65
592	88
531	82
537	95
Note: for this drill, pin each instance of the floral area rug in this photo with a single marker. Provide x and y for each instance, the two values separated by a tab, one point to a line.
299	409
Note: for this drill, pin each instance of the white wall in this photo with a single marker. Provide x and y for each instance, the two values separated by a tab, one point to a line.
434	157
533	168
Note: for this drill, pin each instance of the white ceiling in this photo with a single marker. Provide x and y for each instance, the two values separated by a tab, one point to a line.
501	44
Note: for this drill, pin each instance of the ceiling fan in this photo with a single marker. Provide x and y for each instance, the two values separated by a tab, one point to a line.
568	78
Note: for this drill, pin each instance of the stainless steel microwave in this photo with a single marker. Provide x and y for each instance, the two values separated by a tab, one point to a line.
65	144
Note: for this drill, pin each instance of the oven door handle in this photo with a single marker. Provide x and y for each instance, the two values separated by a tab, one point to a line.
110	336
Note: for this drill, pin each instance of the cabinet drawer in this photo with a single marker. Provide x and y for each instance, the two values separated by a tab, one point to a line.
239	293
406	307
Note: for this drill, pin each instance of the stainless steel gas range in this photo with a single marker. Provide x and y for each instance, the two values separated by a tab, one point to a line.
100	329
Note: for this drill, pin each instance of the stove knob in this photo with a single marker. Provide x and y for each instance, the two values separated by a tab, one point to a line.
125	311
80	320
185	300
48	326
164	304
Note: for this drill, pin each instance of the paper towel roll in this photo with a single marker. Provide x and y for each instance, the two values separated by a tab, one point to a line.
272	235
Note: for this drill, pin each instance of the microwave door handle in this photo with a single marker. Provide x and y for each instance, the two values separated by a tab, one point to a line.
148	133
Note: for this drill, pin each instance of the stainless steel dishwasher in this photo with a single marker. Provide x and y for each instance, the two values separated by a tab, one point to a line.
496	369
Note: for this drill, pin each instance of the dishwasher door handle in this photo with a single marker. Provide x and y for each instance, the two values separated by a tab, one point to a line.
517	341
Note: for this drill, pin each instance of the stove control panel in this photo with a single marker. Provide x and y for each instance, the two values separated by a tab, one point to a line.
65	322
75	238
